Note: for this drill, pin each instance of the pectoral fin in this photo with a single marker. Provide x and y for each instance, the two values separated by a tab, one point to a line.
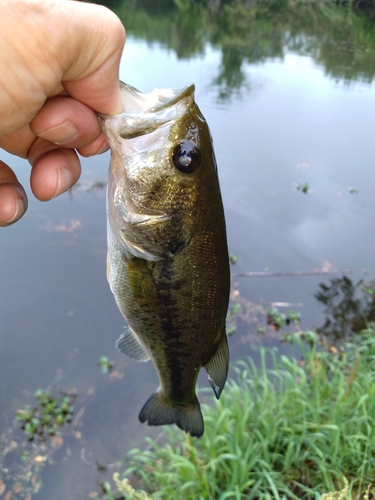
129	344
217	366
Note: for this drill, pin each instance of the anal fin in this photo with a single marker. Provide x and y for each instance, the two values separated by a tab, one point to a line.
217	366
129	344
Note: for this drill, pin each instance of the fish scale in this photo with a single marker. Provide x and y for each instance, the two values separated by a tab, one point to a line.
168	264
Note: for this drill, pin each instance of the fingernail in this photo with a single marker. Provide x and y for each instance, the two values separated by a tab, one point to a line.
19	210
61	134
64	181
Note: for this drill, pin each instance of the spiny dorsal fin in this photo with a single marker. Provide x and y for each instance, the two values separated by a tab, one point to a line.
129	344
217	366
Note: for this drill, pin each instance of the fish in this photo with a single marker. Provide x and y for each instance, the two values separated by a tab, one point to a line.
168	264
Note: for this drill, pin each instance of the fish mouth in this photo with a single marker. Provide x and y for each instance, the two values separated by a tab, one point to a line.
135	101
144	113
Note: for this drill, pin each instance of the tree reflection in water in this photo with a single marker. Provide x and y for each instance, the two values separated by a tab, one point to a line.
348	307
254	31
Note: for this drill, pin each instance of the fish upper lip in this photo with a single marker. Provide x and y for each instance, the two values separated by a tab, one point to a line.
186	91
176	95
147	112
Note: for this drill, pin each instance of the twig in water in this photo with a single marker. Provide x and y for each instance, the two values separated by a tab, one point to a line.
267	274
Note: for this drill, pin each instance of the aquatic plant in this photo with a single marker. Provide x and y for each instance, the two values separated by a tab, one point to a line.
47	418
305	188
23	458
105	364
233	258
232	313
287	430
278	319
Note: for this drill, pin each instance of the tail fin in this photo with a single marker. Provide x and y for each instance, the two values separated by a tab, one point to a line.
157	411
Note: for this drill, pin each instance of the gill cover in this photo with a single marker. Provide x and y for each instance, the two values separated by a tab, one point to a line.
149	203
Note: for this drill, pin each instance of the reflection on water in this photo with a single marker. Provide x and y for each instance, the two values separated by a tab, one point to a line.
342	41
286	90
348	306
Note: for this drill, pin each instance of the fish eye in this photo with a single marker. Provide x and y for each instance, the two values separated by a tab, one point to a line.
186	157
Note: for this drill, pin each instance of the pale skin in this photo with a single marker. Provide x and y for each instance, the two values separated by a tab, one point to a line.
59	64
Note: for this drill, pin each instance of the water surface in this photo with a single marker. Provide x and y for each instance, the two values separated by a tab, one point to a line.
289	98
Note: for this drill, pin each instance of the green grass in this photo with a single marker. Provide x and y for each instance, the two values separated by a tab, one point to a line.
295	430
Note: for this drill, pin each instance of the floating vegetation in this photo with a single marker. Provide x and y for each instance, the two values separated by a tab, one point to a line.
304	187
22	462
233	258
278	320
105	364
231	318
20	467
293	317
353	190
25	451
47	418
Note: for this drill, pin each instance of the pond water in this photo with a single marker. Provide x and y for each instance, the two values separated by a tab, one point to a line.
289	97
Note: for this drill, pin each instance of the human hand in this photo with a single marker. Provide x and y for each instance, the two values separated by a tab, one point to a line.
59	63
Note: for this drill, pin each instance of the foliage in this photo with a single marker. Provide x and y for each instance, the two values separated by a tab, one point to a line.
105	364
286	430
337	495
20	468
304	187
233	258
233	310
22	460
47	418
279	319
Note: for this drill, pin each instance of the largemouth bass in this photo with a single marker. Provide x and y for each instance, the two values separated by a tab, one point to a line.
168	265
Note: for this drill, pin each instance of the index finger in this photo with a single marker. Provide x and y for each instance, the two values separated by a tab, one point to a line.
91	66
13	197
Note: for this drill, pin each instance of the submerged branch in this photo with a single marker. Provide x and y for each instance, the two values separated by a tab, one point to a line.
267	274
